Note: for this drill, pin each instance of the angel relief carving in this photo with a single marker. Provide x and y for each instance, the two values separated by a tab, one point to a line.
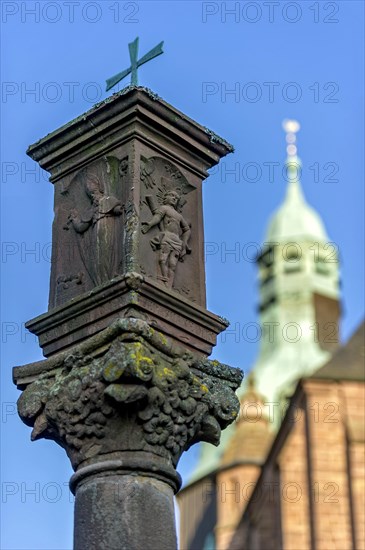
172	241
95	217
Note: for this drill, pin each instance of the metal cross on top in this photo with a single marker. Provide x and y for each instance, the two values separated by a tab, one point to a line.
135	63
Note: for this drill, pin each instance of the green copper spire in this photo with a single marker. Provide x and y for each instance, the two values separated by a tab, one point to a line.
298	271
295	278
135	63
295	219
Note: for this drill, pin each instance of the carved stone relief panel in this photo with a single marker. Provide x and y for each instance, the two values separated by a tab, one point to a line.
166	222
88	229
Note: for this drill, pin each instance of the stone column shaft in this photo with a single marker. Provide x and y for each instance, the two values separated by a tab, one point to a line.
126	512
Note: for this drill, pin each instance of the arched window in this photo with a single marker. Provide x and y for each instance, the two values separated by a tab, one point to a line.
322	266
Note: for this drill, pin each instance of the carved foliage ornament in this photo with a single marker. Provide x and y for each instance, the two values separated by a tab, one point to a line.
133	397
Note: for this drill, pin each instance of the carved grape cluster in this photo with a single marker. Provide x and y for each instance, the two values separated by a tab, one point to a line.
68	405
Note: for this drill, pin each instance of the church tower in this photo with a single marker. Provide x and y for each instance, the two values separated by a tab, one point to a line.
299	289
299	311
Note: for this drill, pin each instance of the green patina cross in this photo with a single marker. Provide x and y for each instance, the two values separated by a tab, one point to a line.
135	63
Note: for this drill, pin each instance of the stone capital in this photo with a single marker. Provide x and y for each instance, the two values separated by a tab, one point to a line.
128	399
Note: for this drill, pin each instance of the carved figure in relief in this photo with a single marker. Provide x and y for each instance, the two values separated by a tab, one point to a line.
172	241
98	231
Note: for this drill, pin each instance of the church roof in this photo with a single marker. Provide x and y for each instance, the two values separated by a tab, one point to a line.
348	363
295	219
250	441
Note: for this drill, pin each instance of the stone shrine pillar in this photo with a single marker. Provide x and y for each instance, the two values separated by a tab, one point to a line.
126	385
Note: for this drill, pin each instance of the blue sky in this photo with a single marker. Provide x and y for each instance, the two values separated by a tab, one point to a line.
279	60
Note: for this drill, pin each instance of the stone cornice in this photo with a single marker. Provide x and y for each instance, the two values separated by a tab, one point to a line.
131	110
190	324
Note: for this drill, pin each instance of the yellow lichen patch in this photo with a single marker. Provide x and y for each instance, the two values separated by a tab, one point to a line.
160	336
109	368
164	372
163	339
204	388
139	358
168	372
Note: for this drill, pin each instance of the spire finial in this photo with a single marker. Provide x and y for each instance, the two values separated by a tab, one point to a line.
293	164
